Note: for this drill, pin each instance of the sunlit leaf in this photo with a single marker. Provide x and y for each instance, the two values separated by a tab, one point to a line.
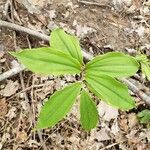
88	112
67	43
58	105
111	91
114	64
48	61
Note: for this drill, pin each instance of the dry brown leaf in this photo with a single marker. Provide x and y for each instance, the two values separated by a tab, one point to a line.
11	113
21	137
115	128
37	2
107	112
102	135
10	88
3	107
48	88
124	124
132	120
82	31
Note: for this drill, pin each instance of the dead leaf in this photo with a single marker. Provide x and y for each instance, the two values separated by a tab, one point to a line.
102	135
107	112
37	2
10	88
3	107
48	88
11	113
52	14
123	124
132	120
115	128
21	137
82	31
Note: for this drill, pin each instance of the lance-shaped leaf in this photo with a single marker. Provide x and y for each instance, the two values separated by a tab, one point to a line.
146	70
88	112
48	61
58	106
114	64
67	43
111	91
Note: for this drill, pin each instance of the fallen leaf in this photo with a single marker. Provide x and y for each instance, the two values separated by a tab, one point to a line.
21	137
132	120
3	107
82	31
37	2
48	88
102	135
11	113
10	88
123	124
107	112
115	128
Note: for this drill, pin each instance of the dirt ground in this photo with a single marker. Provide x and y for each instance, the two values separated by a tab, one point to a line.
102	26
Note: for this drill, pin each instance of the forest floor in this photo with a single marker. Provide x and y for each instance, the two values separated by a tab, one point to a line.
102	26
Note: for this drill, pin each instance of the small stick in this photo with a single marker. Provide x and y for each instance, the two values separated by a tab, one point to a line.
23	29
145	97
138	92
109	146
93	3
11	72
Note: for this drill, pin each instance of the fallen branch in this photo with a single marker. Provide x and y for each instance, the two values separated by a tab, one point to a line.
145	97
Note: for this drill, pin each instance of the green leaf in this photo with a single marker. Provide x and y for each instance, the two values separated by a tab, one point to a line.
144	116
88	112
114	64
146	70
48	61
110	90
67	43
58	105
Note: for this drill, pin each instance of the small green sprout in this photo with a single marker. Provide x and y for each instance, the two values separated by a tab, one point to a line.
144	117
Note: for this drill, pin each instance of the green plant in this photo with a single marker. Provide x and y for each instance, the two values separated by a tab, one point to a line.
99	75
145	65
144	117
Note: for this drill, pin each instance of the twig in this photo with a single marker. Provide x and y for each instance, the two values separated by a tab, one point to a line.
23	29
139	93
109	146
145	97
11	72
93	3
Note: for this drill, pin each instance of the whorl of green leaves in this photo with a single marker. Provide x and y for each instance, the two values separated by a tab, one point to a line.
64	57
